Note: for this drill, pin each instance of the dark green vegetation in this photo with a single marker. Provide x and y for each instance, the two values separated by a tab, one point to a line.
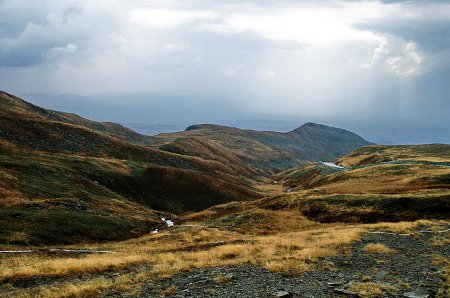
66	179
368	209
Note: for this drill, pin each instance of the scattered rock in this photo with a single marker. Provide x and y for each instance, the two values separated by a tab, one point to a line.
415	295
345	292
334	284
408	264
283	294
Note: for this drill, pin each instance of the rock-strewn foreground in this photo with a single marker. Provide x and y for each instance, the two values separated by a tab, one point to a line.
413	269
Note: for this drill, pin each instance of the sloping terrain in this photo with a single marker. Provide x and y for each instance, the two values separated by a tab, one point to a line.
399	183
13	103
367	194
262	150
55	172
92	177
377	154
376	225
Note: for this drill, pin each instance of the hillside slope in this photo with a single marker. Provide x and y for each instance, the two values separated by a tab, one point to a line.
9	102
102	181
317	193
377	183
98	186
377	154
260	150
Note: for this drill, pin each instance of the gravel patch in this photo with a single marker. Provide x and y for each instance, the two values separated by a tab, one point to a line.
409	268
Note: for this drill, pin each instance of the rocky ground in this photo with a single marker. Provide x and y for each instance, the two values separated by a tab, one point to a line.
414	269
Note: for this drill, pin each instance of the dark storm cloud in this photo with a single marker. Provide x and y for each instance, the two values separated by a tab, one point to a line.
35	34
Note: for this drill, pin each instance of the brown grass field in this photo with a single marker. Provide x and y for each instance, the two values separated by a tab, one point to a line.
183	248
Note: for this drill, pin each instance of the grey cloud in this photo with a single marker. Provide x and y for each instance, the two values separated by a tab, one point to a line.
432	35
26	40
415	1
92	47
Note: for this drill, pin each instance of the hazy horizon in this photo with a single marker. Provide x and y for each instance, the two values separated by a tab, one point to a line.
151	114
379	68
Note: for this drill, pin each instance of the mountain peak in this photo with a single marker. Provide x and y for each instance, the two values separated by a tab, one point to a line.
312	125
209	127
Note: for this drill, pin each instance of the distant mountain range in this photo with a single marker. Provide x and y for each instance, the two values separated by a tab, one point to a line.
266	150
152	113
104	181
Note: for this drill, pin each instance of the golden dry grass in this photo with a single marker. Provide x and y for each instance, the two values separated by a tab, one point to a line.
439	260
444	287
386	179
370	289
439	240
91	288
169	291
373	154
377	248
181	249
222	279
165	253
19	266
269	189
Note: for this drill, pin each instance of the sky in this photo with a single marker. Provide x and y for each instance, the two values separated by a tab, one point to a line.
330	58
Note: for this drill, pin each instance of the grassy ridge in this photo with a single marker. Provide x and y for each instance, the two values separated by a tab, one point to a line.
254	151
14	103
376	154
378	192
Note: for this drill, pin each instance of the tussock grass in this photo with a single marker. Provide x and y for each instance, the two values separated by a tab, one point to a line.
91	288
444	287
402	226
222	279
377	248
169	291
370	289
440	241
28	266
182	249
439	260
165	252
